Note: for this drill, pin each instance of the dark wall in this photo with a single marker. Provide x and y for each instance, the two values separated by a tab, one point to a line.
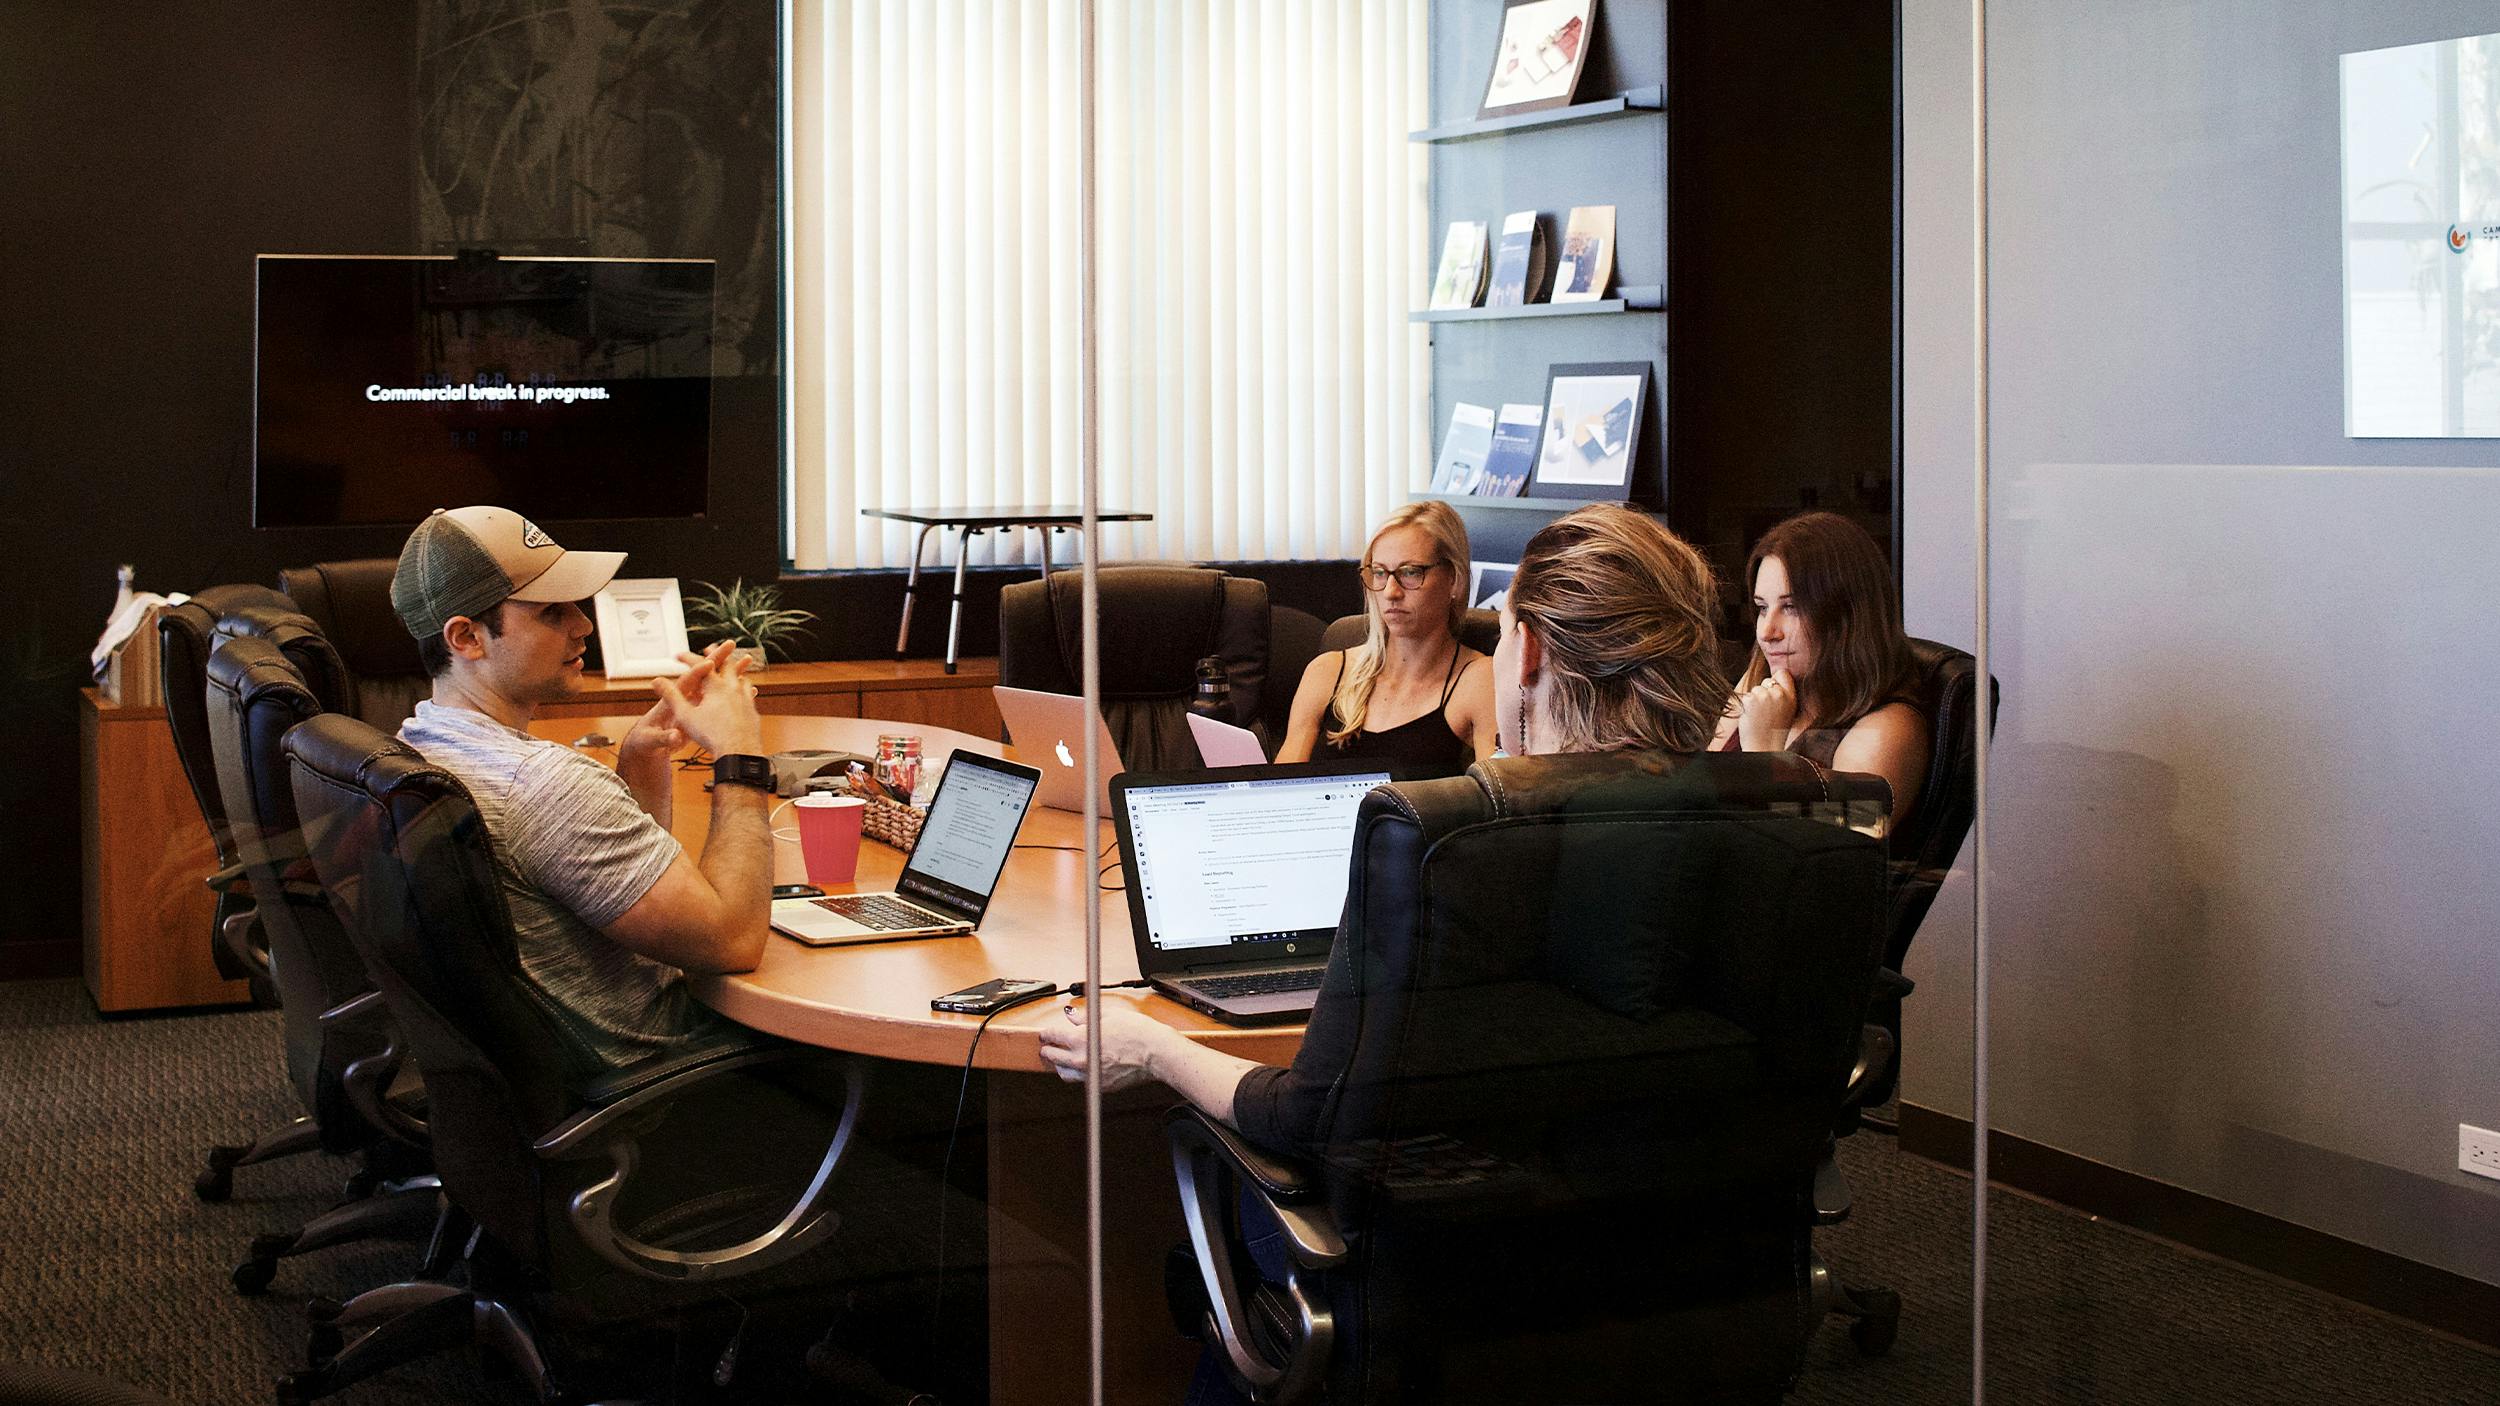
147	153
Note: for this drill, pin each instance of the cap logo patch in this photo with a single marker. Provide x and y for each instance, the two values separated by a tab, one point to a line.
531	537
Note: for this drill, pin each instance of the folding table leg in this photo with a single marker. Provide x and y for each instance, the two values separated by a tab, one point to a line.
955	612
911	587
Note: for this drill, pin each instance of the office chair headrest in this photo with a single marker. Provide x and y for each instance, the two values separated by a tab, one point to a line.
351	601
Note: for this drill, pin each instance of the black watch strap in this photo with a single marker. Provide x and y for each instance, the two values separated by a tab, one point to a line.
743	769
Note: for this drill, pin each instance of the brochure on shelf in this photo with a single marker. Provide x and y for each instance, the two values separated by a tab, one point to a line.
1513	456
1519	264
1460	283
1588	255
1464	449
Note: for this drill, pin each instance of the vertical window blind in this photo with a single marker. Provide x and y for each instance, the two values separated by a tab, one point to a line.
1261	217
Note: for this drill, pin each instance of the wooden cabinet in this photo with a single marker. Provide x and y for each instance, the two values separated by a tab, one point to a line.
147	939
146	942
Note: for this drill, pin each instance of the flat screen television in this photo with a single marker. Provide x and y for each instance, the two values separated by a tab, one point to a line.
386	386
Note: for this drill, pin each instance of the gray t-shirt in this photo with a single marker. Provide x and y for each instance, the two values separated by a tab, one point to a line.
574	850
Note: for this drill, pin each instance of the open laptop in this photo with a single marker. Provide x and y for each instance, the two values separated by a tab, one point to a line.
951	871
1236	880
1049	729
1222	744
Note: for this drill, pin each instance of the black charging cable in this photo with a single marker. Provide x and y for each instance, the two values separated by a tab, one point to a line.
1074	991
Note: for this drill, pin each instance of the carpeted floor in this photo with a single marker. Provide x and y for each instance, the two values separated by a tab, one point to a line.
108	1263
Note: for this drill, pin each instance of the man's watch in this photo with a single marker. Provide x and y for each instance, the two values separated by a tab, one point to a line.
743	769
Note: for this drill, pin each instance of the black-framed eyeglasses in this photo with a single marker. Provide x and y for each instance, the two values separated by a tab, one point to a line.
1412	575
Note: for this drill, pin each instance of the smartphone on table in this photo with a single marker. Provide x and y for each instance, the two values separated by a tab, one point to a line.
991	996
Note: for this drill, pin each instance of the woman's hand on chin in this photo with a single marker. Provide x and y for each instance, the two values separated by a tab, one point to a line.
1764	712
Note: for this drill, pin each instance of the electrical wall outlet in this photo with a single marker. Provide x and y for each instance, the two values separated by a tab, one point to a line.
2478	1151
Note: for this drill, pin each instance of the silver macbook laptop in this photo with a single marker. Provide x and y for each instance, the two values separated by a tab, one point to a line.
1236	881
951	871
1049	731
1222	744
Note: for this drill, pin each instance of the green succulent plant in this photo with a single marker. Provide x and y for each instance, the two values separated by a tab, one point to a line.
752	616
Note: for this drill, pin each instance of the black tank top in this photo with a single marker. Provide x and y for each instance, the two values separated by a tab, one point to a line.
1423	742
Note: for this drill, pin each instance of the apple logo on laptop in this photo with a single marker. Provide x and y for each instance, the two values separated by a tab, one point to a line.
1064	758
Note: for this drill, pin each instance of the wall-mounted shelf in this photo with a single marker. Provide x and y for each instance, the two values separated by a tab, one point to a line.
1635	100
1540	505
1646	298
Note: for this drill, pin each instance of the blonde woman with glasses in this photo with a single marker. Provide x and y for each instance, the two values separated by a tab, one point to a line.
1410	693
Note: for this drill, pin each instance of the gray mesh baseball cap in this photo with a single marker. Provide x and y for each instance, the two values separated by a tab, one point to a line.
464	561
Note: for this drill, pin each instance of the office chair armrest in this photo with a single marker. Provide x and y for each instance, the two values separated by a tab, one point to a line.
612	1125
1875	1051
243	940
367	1080
1213	1165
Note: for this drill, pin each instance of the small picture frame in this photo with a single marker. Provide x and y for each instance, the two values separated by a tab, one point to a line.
1592	430
1488	584
642	627
1537	61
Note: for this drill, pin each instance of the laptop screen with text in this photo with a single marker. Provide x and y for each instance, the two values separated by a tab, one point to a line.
1220	864
970	829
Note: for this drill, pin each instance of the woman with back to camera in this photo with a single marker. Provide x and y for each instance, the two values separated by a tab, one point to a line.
1608	644
1410	692
1831	669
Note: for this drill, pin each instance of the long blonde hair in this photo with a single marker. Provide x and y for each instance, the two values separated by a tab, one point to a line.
1352	701
1625	611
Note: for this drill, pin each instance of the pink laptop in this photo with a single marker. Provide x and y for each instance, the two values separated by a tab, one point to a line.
1222	744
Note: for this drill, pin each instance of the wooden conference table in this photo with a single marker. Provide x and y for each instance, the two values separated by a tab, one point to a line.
874	1000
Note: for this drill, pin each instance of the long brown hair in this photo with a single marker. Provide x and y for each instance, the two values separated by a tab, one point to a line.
1623	609
1843	587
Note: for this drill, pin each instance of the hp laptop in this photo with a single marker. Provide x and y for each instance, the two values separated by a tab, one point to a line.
1222	744
1236	880
1048	729
951	872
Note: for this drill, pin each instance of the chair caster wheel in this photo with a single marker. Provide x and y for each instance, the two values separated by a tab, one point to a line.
1875	1331
216	1181
322	1344
321	1308
360	1184
300	1388
252	1276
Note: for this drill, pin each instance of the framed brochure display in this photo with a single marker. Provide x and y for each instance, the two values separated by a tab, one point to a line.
1592	425
642	627
1537	64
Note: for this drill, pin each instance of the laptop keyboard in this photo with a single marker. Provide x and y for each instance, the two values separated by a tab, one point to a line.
879	912
1256	983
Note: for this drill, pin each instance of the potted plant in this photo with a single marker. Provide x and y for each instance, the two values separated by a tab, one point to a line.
751	615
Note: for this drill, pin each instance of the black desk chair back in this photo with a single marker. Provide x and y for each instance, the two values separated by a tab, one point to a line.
569	1171
185	635
1603	1009
350	602
1157	623
341	1053
1946	687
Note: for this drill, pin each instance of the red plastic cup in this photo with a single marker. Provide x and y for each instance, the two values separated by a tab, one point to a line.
829	836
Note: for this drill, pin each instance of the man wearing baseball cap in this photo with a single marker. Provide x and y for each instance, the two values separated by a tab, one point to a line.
610	910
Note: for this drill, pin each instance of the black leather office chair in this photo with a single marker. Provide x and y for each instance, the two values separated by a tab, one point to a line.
1293	641
251	612
1479	630
1924	848
1602	1011
350	601
341	1054
1157	623
184	637
567	1172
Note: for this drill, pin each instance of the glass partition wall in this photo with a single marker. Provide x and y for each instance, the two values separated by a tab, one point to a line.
2240	487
